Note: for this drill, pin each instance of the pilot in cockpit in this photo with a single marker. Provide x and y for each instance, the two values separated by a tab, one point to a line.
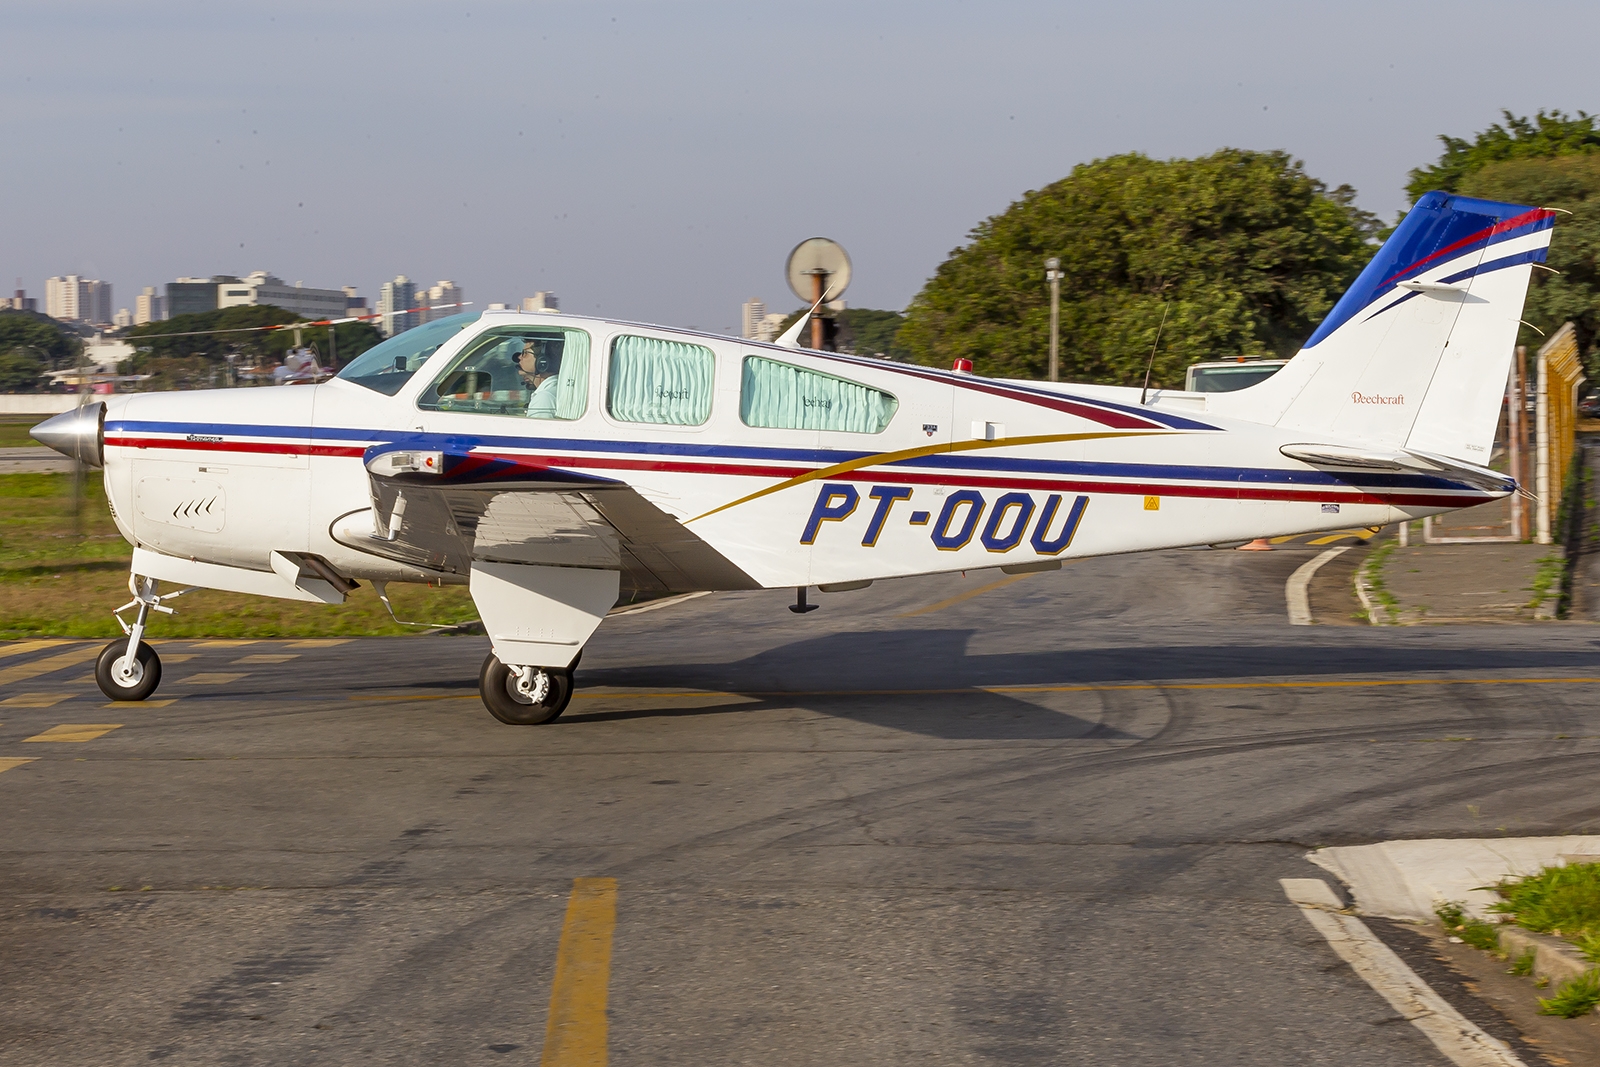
538	368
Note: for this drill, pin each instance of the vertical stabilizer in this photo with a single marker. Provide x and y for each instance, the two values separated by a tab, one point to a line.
1415	355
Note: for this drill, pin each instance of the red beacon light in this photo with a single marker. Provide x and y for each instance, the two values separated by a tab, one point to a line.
962	365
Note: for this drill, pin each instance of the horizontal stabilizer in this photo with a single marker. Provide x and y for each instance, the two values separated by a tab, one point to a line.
1351	457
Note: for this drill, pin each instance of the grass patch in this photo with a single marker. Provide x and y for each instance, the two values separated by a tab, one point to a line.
1562	901
14	431
1546	581
61	578
1523	964
1475	932
1372	573
1576	997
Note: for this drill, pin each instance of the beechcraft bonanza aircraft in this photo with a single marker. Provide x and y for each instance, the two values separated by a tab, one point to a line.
556	464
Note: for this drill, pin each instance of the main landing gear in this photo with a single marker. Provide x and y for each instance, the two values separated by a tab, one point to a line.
524	696
130	669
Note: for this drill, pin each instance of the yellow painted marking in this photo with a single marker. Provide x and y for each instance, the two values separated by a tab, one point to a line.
319	642
36	700
142	703
959	597
17	648
178	657
227	642
21	672
575	1035
269	657
216	678
926	450
76	731
8	762
1152	503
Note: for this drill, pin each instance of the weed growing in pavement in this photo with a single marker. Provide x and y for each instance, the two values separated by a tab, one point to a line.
1574	998
1475	932
1546	580
1372	572
1563	901
1523	964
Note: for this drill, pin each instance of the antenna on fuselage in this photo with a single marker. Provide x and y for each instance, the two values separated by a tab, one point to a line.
1148	367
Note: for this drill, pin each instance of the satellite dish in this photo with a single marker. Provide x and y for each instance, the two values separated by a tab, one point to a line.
818	257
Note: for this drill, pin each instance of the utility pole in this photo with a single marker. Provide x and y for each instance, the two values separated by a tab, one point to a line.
1052	274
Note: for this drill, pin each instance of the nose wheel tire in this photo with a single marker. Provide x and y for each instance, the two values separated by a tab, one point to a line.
516	705
122	680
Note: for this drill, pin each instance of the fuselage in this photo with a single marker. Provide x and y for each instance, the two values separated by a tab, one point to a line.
797	467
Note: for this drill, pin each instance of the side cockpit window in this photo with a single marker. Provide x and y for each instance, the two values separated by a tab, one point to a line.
539	372
780	396
667	383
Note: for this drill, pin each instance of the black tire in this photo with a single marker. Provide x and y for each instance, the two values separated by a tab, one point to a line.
495	685
148	675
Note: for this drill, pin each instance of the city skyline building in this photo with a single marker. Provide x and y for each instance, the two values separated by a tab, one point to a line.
442	297
192	296
541	301
752	314
261	287
70	298
122	319
148	306
395	299
20	301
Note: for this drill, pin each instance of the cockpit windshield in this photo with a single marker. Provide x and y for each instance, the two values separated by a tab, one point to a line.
388	366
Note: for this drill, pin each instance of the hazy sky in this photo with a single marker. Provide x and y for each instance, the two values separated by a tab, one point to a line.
657	161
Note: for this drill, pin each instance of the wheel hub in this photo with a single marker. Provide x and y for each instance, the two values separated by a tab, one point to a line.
128	671
529	684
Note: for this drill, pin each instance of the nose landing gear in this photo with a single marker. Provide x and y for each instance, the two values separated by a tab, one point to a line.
131	670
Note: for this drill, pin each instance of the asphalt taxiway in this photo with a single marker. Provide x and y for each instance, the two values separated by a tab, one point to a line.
967	819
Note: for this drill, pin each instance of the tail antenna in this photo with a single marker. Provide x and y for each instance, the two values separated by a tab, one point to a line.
791	336
1148	367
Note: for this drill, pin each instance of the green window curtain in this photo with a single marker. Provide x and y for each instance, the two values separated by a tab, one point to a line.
779	396
663	382
572	383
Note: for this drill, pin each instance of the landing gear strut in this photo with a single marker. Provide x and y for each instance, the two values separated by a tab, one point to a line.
524	696
131	670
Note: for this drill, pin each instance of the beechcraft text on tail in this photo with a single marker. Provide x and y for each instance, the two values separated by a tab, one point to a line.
557	465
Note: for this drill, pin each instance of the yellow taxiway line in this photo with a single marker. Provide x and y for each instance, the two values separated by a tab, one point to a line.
76	731
21	672
959	597
575	1034
17	648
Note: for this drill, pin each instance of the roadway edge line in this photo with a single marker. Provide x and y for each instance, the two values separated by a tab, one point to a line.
1461	1041
1297	590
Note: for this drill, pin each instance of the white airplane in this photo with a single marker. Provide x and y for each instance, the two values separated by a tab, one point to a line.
557	464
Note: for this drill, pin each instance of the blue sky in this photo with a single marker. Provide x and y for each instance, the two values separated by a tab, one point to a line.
657	161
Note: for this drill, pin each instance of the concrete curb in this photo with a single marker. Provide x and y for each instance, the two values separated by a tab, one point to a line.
1375	613
1297	590
1553	958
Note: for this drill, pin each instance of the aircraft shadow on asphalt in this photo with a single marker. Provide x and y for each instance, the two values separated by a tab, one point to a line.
927	682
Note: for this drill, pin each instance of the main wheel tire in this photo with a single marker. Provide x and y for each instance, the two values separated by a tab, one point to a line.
497	684
146	671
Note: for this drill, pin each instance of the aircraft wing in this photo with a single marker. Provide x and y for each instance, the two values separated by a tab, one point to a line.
444	511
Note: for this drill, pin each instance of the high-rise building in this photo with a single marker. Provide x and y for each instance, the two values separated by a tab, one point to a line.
122	319
541	301
191	296
20	302
148	307
353	304
260	287
440	300
753	313
771	325
73	299
395	300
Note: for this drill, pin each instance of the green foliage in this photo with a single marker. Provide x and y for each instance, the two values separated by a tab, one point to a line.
1522	966
20	370
29	336
1243	251
1560	900
1475	932
1571	182
1548	134
862	331
256	345
1574	998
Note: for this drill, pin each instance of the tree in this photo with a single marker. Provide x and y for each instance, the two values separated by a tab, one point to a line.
1241	251
206	335
1572	182
20	370
862	332
30	335
1547	135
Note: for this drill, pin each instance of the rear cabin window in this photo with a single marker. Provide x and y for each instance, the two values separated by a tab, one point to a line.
779	396
538	372
667	383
